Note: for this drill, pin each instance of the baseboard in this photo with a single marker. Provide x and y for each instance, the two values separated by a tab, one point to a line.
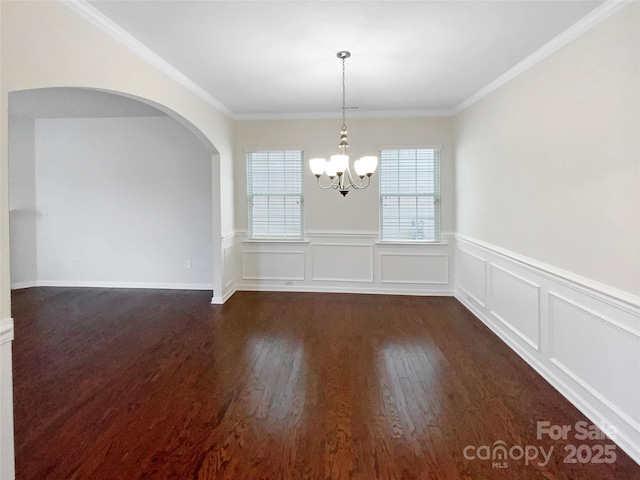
219	300
344	289
21	285
141	285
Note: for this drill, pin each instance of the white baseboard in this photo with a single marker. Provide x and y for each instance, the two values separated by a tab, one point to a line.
140	285
21	285
343	289
544	316
219	300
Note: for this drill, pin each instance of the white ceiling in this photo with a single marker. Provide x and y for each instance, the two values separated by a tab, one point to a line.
262	58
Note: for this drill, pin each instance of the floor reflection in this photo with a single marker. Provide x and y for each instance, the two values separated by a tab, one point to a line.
409	382
274	393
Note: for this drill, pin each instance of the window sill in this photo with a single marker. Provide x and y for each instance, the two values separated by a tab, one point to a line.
276	240
411	242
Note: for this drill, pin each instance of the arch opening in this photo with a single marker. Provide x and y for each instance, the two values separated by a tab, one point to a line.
123	196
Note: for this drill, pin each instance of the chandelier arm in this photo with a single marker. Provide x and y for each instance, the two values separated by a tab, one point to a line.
347	181
352	183
362	184
333	184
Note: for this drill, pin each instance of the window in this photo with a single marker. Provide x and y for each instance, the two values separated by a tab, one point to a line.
410	194
274	189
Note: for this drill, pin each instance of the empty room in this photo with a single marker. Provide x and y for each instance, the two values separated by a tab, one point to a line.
319	239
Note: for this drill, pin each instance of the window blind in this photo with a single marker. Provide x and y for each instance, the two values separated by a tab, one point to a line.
410	194
274	189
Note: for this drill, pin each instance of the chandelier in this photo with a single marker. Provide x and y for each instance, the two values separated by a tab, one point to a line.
337	168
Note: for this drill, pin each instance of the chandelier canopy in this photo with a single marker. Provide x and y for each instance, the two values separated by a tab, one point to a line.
337	168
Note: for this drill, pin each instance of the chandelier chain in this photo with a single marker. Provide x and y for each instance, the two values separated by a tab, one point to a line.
344	121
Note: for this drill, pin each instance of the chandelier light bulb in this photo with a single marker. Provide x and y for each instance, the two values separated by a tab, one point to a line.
317	166
369	164
341	163
330	169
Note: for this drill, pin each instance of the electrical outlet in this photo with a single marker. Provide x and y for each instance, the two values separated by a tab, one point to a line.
187	264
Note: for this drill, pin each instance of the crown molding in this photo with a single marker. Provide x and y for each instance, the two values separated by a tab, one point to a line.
338	115
597	16
84	9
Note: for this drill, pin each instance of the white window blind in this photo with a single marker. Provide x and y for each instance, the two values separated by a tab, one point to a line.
274	189
410	194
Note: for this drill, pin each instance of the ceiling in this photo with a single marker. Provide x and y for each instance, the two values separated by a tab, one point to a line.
269	58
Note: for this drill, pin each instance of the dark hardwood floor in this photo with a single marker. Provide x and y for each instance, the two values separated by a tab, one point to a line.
130	384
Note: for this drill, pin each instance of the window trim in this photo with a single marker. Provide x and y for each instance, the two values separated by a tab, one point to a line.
437	199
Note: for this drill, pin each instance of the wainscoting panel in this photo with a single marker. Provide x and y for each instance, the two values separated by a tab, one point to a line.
228	266
472	275
582	337
345	262
334	262
273	265
416	268
515	302
582	346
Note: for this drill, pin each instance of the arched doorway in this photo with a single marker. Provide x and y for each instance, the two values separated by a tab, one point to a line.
124	193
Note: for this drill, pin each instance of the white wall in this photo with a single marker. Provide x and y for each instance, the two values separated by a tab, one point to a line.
548	165
328	210
341	252
22	201
548	220
118	202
